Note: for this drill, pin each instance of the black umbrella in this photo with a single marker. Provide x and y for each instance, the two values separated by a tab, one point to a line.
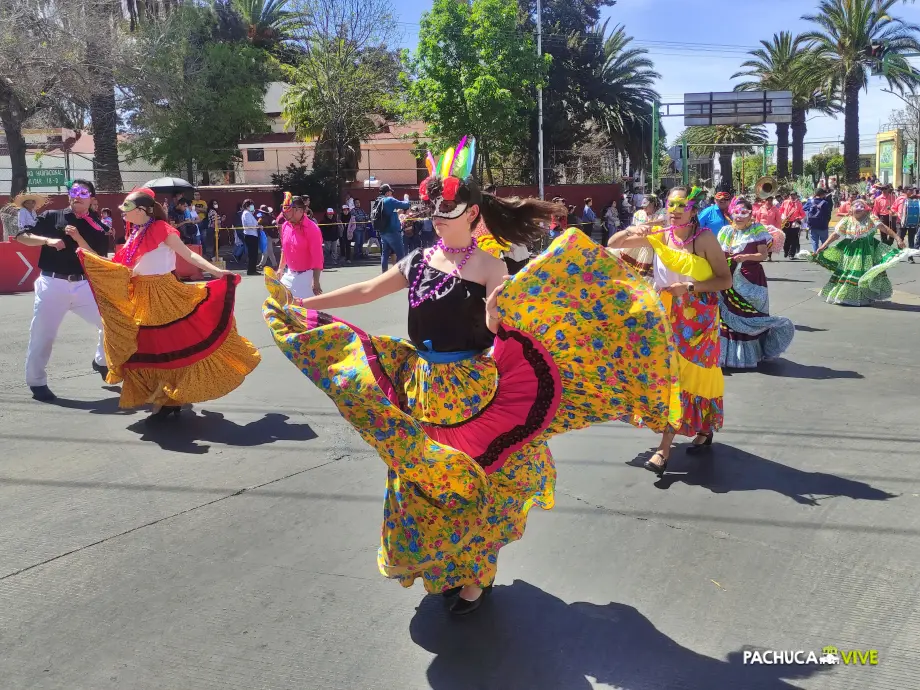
169	185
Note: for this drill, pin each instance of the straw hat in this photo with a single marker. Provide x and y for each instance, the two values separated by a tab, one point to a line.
39	199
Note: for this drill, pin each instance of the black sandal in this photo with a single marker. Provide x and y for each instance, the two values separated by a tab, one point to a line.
696	448
655	467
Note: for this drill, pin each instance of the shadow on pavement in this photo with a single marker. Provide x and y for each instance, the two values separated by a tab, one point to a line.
103	406
809	329
794	370
895	306
773	279
183	434
725	469
523	637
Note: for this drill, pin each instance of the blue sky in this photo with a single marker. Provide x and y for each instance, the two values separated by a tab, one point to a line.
742	23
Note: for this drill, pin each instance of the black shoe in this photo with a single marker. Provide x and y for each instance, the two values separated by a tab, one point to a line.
163	413
697	448
101	369
42	394
462	607
655	467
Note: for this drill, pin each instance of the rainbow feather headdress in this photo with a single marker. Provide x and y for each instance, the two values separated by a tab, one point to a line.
456	162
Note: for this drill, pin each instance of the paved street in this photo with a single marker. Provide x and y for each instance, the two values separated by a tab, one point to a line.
236	549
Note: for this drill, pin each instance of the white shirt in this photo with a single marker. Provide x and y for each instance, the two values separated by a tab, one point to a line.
160	261
27	218
250	223
663	276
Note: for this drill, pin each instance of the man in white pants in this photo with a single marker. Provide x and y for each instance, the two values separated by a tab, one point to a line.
301	262
62	287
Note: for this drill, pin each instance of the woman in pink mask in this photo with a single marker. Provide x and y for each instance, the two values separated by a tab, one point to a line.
748	334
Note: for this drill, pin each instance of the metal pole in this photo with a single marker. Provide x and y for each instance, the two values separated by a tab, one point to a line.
685	162
540	102
655	116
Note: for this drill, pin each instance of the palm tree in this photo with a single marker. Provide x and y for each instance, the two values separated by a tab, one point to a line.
847	31
785	64
621	108
725	140
269	22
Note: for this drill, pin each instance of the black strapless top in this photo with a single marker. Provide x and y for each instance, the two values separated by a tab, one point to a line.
455	319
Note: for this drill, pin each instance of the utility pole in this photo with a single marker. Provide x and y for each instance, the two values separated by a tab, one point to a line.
540	103
655	116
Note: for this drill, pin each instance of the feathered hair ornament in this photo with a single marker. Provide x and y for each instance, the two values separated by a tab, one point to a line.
456	163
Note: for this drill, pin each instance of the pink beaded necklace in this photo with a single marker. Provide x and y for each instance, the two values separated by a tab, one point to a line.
683	243
135	240
453	274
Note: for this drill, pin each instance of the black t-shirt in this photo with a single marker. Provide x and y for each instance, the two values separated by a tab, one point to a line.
330	229
51	224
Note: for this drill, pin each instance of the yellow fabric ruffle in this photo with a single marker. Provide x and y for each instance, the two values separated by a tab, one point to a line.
127	302
490	245
680	262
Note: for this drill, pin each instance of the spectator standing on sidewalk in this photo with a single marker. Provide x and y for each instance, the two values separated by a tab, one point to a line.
386	223
360	219
250	236
348	232
331	229
588	217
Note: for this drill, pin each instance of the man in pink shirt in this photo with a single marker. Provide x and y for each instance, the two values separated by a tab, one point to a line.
769	214
791	215
301	263
883	209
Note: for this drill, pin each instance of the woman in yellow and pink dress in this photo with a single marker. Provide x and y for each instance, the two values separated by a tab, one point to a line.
168	343
460	412
689	270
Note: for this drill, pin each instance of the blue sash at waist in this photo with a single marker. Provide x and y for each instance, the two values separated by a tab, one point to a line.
435	357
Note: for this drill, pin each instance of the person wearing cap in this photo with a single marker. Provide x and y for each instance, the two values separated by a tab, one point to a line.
265	216
301	262
882	208
348	232
61	286
792	213
715	217
331	228
28	205
391	234
818	215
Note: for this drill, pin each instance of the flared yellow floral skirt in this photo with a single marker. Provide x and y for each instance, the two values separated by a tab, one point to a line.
584	340
168	342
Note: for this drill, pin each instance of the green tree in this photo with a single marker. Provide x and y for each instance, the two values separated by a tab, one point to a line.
268	22
199	92
785	64
836	166
846	31
340	89
576	55
622	110
725	140
476	71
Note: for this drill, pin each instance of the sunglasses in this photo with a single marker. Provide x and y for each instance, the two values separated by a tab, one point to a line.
444	208
79	192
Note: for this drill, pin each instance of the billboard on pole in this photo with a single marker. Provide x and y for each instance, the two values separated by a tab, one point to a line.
737	108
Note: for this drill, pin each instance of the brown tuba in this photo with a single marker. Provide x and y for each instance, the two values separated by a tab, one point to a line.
766	186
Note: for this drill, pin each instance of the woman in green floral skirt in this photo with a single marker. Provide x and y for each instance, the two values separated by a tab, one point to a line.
859	260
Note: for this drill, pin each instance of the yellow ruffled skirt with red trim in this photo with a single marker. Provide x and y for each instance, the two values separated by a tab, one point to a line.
168	342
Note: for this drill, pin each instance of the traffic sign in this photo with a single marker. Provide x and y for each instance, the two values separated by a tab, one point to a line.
46	177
